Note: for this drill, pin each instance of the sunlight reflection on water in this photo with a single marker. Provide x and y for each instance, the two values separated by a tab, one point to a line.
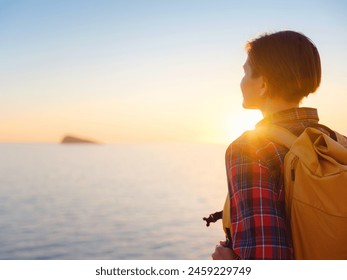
126	201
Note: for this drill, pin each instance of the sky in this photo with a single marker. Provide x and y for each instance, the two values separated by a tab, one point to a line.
144	71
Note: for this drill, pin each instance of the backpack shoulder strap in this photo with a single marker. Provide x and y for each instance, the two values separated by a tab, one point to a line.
284	137
278	135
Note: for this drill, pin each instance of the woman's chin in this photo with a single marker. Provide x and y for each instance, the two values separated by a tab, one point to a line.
248	106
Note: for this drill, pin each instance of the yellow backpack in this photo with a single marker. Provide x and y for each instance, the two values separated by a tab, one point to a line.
315	174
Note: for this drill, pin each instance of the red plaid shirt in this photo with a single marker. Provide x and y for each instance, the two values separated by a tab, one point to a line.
254	168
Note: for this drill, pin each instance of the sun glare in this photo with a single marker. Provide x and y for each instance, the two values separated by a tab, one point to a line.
238	122
230	126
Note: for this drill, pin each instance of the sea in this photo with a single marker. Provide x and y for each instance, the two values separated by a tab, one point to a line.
111	201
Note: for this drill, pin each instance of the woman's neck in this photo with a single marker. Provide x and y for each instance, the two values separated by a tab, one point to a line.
271	106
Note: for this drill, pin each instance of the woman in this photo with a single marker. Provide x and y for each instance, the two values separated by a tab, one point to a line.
281	69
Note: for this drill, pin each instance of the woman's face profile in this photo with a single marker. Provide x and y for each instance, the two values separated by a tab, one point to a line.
251	88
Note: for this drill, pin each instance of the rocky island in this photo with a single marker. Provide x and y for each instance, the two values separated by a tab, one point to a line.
68	139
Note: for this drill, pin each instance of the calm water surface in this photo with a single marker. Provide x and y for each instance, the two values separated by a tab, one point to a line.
124	201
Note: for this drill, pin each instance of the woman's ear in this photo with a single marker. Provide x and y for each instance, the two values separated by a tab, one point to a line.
263	86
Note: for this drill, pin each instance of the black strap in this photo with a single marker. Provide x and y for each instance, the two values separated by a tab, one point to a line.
228	233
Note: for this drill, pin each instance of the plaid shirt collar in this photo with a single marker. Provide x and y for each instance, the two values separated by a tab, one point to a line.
303	114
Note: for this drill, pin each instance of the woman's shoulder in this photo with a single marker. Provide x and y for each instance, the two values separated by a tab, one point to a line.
254	146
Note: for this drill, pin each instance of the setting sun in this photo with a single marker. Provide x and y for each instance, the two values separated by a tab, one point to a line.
235	123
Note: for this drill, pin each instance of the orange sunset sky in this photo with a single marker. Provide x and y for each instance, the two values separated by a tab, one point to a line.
134	71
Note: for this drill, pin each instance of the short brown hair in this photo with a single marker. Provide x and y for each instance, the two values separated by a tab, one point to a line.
289	61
